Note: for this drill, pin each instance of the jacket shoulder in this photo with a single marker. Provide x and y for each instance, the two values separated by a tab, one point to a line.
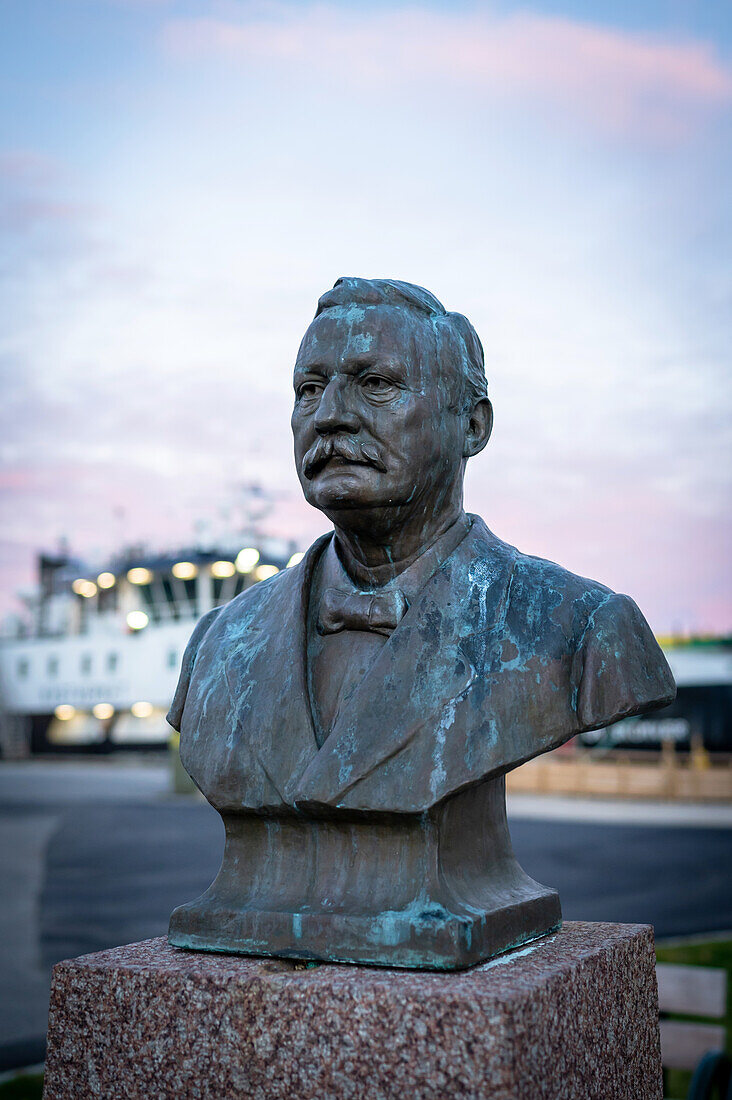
231	618
200	631
224	627
546	601
623	669
616	666
540	574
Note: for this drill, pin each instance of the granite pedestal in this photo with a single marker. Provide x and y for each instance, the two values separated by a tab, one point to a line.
573	1016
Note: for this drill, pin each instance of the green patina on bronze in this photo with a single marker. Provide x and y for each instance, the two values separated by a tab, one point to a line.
352	718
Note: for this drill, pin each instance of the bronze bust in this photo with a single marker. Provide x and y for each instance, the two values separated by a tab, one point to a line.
353	717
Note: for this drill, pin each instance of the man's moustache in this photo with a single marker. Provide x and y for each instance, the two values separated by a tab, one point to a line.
346	447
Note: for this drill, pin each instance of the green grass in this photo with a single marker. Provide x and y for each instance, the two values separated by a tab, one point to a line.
707	952
29	1086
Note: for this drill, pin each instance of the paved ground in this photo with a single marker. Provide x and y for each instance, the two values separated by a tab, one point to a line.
96	854
607	811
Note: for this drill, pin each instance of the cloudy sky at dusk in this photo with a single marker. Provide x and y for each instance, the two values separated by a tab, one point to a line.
181	179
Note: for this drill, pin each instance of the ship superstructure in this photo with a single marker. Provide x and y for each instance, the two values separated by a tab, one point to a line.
96	661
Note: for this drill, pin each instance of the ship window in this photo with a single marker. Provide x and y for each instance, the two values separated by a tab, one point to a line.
112	662
86	664
23	668
52	666
172	658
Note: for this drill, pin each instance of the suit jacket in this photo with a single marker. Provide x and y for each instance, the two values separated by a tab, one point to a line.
500	657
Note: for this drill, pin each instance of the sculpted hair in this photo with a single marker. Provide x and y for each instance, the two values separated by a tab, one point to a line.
458	346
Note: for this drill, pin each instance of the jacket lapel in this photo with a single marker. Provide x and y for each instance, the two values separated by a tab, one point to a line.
421	675
265	673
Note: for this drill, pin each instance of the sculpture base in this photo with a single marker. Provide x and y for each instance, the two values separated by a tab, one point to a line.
440	890
573	1015
424	936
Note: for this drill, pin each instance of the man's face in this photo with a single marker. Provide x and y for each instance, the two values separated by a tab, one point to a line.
371	422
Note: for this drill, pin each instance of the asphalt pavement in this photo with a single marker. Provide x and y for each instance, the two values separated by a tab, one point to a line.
96	854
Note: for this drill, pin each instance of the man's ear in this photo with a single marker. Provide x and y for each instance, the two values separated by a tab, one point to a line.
480	426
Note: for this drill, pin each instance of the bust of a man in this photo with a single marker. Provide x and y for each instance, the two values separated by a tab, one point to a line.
353	717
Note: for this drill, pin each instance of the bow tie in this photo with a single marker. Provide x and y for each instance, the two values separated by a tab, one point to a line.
379	612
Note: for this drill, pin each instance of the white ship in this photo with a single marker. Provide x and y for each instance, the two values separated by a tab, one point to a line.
95	661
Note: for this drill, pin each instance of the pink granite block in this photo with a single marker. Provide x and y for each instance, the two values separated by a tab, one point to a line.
573	1016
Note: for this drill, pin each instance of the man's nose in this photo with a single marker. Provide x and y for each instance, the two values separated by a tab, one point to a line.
334	414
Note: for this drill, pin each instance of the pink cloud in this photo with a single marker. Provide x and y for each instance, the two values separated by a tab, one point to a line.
623	83
28	166
32	193
25	214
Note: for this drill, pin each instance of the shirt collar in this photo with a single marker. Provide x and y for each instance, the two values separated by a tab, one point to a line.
349	574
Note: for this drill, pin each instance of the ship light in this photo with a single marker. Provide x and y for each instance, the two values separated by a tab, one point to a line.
264	572
184	570
84	588
137	620
141	709
106	580
222	569
295	559
246	559
139	575
103	711
64	712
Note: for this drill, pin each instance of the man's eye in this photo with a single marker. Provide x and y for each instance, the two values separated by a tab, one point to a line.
309	390
374	383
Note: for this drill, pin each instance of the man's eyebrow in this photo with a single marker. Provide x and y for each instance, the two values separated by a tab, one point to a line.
309	368
364	363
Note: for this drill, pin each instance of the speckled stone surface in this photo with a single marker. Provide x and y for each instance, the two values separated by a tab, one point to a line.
570	1017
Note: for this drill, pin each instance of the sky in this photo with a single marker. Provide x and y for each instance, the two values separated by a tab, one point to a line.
180	180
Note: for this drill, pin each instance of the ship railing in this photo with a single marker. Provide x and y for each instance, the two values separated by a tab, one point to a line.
166	611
